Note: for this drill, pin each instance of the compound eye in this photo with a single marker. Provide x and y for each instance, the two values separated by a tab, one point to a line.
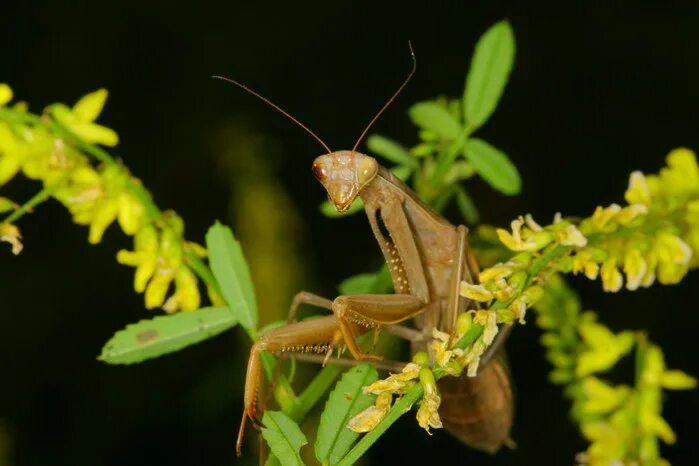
319	171
367	170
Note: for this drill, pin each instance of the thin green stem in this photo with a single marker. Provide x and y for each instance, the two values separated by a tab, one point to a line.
35	200
401	407
446	158
315	390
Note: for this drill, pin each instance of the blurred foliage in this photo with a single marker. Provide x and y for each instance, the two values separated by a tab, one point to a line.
655	235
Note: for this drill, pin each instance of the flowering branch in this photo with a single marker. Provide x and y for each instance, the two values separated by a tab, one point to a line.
654	236
60	149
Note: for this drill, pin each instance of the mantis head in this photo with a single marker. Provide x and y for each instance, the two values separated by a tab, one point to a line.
344	174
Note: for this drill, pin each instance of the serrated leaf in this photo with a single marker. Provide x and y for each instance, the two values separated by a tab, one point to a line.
493	166
367	283
90	106
434	117
346	400
231	271
284	438
164	334
490	69
390	150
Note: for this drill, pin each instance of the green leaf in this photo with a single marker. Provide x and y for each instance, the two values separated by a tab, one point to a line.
487	77
466	206
232	274
367	283
284	437
434	117
390	150
90	106
164	334
346	400
493	166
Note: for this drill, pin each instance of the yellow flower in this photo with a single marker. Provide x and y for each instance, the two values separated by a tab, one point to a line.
495	272
5	94
651	262
571	236
102	216
630	213
670	248
682	173
601	397
475	292
130	213
10	234
440	347
638	191
366	420
395	382
487	319
186	296
612	279
80	119
635	268
144	257
583	262
428	412
529	220
603	216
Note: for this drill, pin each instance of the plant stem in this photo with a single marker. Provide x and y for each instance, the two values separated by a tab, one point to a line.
27	207
401	407
320	384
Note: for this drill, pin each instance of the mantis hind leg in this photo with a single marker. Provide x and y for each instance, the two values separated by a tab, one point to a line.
311	335
365	311
304	297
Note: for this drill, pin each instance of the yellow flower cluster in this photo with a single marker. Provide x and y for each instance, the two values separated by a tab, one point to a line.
622	422
54	149
448	359
656	236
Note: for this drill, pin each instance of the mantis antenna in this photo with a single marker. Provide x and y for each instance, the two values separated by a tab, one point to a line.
276	107
390	101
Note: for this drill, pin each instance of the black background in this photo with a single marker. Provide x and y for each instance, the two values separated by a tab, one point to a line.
597	91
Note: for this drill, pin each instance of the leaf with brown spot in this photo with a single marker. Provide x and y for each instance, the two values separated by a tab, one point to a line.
165	334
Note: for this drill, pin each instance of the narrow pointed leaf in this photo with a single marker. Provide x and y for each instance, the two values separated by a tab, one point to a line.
390	150
489	72
434	117
284	438
493	166
164	334
347	400
232	274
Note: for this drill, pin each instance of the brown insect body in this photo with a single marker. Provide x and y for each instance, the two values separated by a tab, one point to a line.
476	410
428	257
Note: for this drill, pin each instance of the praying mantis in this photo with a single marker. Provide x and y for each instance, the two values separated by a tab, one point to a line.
428	257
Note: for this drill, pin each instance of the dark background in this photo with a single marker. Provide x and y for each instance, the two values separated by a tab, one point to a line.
596	92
